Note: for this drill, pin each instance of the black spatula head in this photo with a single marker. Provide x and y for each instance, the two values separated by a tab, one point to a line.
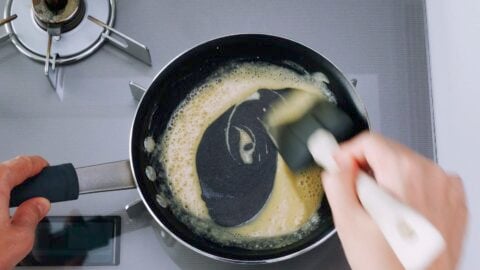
291	137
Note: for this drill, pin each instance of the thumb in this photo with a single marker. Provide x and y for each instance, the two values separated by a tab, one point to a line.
340	189
30	212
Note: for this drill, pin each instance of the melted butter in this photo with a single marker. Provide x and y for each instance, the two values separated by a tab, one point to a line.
293	201
246	146
291	208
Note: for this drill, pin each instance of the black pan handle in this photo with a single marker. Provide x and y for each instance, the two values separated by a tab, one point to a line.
64	182
56	183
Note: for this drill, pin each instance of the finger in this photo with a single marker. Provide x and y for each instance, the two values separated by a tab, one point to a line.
21	168
29	213
4	194
388	160
457	191
369	149
14	172
341	191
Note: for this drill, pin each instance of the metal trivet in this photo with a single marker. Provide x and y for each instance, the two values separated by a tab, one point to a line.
58	32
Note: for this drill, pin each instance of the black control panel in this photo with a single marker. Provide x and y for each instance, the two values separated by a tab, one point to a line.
76	241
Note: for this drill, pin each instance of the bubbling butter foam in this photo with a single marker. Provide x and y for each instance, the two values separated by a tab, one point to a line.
290	212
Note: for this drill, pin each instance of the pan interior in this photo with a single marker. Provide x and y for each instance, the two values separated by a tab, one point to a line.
174	84
223	168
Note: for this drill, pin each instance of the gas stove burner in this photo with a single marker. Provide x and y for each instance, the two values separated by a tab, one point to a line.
63	14
60	32
74	36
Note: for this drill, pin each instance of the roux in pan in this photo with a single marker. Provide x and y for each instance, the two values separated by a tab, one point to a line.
290	209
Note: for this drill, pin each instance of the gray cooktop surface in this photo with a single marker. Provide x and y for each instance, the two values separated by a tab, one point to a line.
381	43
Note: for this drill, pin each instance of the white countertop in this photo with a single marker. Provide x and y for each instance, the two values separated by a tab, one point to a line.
454	33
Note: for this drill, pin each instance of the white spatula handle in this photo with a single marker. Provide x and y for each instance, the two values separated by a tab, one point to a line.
414	240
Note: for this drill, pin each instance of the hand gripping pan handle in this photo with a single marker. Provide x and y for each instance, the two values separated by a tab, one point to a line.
65	183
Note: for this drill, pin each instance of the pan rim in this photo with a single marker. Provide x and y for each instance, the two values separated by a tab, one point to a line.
355	98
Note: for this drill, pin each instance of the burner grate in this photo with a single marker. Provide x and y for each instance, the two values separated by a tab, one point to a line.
64	32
